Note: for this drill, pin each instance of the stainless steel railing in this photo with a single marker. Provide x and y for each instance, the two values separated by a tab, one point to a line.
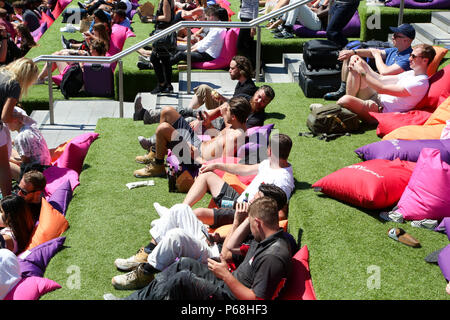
255	23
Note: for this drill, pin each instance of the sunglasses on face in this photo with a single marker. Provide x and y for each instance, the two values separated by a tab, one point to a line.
412	55
395	36
24	192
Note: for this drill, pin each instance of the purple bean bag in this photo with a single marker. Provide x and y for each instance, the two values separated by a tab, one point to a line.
256	136
444	262
352	29
435	4
37	34
444	226
408	150
61	198
33	262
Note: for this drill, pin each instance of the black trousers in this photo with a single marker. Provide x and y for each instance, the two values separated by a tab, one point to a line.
186	279
163	68
246	45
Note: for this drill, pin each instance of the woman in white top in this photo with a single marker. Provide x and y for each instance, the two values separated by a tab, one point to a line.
17	223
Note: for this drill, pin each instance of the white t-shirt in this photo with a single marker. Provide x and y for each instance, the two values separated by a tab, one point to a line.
282	177
213	42
417	86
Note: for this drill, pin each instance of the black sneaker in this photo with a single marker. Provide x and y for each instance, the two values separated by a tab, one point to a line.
283	35
65	43
334	96
167	89
144	65
157	90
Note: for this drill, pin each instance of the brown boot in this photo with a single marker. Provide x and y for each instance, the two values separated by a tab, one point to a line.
147	159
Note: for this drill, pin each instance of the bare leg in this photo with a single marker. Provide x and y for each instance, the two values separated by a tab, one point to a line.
205	215
205	182
359	106
194	104
163	137
169	115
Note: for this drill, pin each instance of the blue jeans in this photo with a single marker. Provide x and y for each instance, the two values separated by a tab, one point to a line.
340	14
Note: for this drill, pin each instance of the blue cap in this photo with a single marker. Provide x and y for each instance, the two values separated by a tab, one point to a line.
405	29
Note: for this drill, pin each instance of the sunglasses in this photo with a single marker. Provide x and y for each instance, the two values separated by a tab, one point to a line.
24	192
395	36
412	55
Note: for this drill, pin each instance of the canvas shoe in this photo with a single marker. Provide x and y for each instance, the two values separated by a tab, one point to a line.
425	223
392	216
151	170
147	143
110	296
133	280
132	262
147	159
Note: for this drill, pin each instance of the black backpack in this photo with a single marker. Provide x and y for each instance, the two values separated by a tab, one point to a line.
332	119
72	81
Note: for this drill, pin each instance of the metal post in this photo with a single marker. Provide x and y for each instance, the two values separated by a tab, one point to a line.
258	52
400	12
189	65
121	87
50	92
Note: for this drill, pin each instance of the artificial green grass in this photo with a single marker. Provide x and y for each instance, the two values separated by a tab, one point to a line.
346	243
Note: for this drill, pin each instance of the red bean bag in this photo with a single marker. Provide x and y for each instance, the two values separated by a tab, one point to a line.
373	184
299	285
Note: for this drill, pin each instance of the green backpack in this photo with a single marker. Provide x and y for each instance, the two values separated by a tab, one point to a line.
332	119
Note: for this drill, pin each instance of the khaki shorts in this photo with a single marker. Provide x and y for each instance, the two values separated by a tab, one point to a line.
204	95
373	104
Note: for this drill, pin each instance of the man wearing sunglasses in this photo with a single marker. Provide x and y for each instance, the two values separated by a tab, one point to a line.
393	93
31	188
389	61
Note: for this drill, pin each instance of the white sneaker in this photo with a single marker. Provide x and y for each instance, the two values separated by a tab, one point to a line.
425	223
132	262
392	216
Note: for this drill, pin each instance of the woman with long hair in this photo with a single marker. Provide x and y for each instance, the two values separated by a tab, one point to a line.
15	80
18	225
24	39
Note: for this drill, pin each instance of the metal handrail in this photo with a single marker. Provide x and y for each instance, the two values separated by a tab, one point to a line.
179	25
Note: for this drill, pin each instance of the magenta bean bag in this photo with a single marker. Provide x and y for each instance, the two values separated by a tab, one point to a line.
426	195
229	50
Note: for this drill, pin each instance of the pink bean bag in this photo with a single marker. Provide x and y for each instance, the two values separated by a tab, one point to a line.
32	288
426	195
229	50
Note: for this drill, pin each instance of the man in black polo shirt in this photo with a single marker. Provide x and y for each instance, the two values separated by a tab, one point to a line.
264	270
31	188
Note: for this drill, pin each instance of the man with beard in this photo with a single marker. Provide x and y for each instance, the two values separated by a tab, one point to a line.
258	102
240	69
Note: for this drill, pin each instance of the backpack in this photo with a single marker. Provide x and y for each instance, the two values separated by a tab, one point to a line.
332	119
72	81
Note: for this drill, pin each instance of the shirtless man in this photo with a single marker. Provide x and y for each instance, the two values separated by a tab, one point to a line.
175	133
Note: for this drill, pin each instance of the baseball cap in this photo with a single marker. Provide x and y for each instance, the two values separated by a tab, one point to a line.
405	29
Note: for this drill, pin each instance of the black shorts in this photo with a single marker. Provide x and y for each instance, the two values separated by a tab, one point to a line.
224	216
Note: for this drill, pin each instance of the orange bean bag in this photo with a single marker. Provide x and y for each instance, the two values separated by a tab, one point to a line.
431	129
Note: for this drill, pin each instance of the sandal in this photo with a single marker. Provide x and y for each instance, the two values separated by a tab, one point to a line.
399	234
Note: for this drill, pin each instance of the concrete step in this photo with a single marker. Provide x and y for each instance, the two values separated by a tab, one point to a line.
292	64
431	34
441	20
276	73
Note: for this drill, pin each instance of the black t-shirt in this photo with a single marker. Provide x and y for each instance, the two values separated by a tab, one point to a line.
266	265
247	88
256	119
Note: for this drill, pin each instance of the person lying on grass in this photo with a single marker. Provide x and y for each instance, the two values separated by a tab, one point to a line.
176	134
276	170
178	233
392	93
262	273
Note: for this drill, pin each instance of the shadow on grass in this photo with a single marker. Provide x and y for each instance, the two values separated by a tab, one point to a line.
373	213
275	115
300	185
